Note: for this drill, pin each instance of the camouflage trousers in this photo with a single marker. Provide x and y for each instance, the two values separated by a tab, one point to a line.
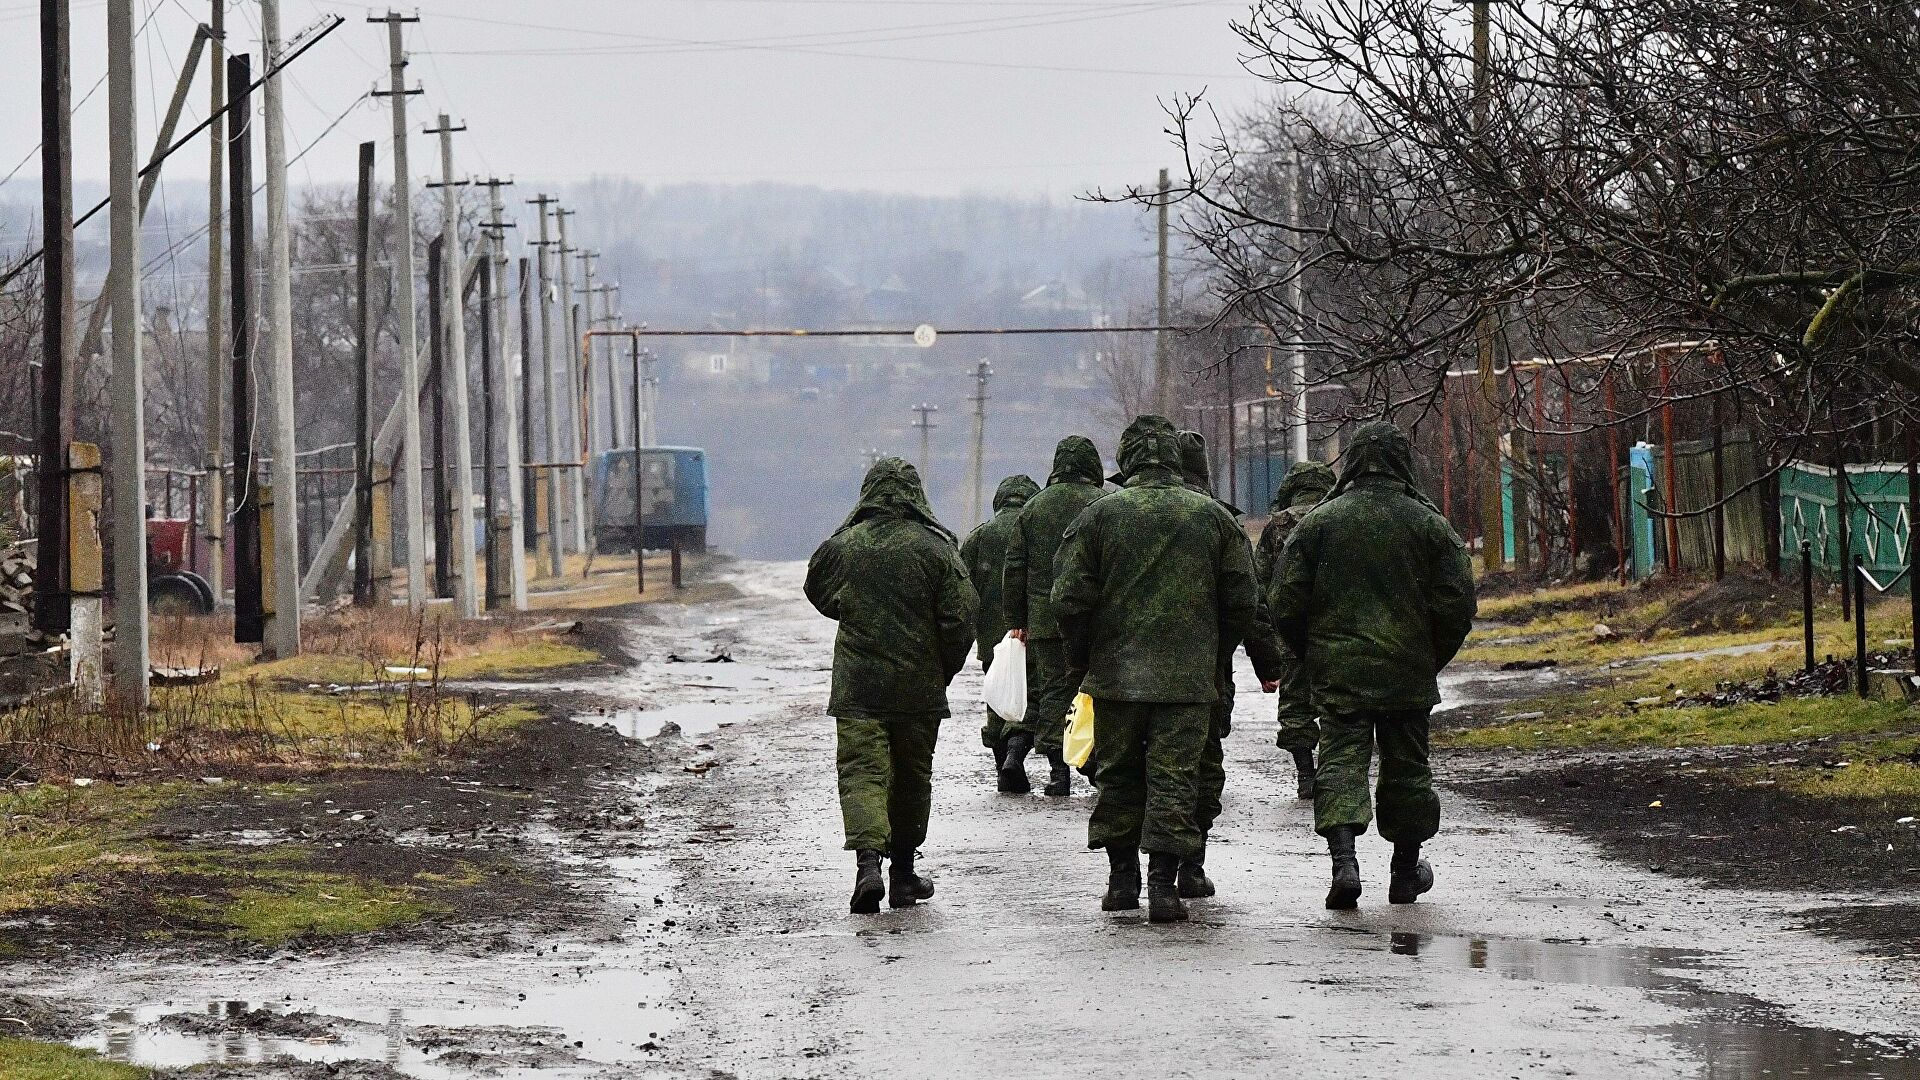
1299	729
1408	807
886	781
1051	687
1210	782
1149	757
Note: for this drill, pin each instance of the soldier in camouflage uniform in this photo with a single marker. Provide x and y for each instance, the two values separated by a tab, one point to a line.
984	554
1263	648
1305	485
891	577
1375	593
1154	583
1026	593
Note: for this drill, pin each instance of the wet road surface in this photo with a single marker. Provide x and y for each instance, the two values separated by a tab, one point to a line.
731	952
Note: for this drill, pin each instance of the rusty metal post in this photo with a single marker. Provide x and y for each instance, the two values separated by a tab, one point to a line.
1806	601
1672	478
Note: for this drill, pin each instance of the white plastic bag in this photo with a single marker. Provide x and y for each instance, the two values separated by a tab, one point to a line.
1006	690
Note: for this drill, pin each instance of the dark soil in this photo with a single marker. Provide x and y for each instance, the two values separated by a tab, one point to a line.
1716	825
1740	602
462	818
26	1016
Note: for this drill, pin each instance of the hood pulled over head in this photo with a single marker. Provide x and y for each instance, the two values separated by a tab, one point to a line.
1378	448
1305	478
1075	460
892	490
1149	445
1014	492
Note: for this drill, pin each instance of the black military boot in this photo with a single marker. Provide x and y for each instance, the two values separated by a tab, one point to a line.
1194	884
1303	763
1412	875
1013	766
1123	880
1059	779
1344	895
999	754
868	889
1163	891
904	887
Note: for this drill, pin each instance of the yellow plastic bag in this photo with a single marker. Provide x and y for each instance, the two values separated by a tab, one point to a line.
1078	744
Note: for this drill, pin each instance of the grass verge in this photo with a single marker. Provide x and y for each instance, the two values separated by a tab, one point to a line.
23	1059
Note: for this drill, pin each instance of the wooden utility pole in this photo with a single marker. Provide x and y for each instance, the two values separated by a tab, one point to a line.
363	586
453	372
1162	353
127	421
53	423
926	426
436	376
249	615
1487	406
283	626
512	446
494	563
554	434
214	519
982	373
410	465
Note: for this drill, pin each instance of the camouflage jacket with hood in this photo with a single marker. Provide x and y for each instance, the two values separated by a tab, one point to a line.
1374	590
891	576
1306	483
1153	579
1027	588
984	553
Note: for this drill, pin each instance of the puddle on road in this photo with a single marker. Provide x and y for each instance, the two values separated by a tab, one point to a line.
696	718
1458	690
1733	1037
569	1009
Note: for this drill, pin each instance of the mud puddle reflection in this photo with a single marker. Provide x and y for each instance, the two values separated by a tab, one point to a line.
566	1009
1734	1037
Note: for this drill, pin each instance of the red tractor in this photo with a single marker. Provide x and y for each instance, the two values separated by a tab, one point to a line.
172	586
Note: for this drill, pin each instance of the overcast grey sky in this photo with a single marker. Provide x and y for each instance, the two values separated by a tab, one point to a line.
934	96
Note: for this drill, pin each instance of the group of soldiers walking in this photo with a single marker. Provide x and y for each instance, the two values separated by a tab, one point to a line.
1357	594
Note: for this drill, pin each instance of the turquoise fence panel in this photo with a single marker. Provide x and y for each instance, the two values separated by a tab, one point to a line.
1640	476
1878	526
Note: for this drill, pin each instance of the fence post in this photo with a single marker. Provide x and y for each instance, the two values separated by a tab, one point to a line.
1806	601
1860	628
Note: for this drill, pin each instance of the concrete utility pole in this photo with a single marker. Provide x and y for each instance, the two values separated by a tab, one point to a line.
410	464
453	377
610	431
926	426
1162	353
982	373
585	359
128	421
53	422
283	619
1493	555
555	566
617	409
364	587
213	485
650	400
509	396
570	382
1302	442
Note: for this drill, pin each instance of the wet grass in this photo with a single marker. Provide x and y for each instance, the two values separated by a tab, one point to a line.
283	905
1581	720
22	1059
79	851
1884	769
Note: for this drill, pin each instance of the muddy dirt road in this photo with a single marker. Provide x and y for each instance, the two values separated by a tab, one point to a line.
727	949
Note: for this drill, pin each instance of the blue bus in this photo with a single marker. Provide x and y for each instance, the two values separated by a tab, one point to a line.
673	499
